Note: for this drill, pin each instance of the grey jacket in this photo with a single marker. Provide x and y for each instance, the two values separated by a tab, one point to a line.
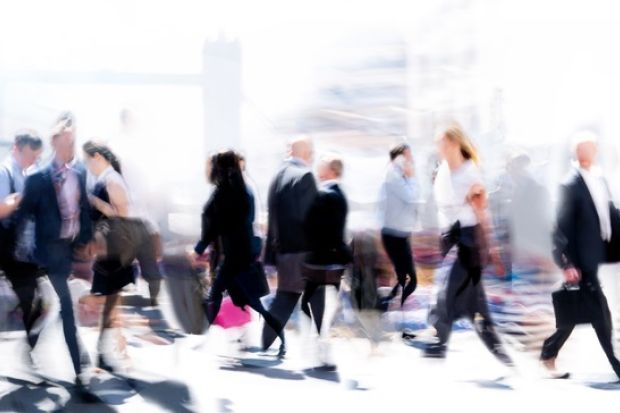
399	198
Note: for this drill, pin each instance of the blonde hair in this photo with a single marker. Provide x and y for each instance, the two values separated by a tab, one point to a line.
456	134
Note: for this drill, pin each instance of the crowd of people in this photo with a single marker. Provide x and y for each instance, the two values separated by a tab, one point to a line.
82	209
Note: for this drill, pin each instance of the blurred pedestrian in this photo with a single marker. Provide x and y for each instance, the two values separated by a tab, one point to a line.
291	193
587	222
328	256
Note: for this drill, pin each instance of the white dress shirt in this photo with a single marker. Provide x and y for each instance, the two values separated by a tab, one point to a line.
600	195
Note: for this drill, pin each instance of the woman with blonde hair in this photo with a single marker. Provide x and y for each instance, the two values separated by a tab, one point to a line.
463	215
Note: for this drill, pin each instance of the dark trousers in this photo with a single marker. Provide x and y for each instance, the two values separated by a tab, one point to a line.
463	297
398	250
60	255
283	306
306	299
23	277
601	322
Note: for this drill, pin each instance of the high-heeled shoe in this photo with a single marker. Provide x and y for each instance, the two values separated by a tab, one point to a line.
408	289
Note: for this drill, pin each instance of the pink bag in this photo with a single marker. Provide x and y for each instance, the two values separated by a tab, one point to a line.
231	316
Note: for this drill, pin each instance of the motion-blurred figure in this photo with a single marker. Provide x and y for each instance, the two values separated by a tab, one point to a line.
19	268
291	194
581	239
112	206
461	199
56	200
228	220
399	196
325	227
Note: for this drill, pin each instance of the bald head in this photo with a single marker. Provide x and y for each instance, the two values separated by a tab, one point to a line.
585	145
302	148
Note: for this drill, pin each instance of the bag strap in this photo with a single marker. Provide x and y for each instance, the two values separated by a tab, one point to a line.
11	180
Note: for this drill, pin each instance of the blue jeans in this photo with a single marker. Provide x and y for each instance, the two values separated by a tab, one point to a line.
59	267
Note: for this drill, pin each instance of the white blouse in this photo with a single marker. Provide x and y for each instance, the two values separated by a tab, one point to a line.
451	189
109	175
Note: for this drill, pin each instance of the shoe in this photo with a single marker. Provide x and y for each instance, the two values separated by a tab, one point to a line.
552	372
408	335
281	352
84	394
436	351
326	367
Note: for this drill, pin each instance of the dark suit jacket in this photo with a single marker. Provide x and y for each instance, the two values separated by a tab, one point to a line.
577	238
290	195
41	204
325	228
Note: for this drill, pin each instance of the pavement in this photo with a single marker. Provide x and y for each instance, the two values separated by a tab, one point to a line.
213	373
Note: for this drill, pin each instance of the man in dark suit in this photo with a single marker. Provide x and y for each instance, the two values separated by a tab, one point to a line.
325	227
580	244
55	198
291	194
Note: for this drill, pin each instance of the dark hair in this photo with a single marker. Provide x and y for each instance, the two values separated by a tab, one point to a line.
28	138
92	148
226	169
398	150
227	177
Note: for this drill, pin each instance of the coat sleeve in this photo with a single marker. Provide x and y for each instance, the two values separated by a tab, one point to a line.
270	244
564	227
30	198
209	226
307	193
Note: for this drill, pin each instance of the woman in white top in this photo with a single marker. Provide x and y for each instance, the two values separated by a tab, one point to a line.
461	201
112	208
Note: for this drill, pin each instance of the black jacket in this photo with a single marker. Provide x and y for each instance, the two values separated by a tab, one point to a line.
227	218
577	238
325	228
291	193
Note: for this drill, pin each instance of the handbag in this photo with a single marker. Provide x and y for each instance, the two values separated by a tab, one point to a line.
571	306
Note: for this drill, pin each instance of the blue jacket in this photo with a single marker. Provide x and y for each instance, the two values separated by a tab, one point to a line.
40	203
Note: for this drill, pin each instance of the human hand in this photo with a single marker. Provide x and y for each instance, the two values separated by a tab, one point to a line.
572	275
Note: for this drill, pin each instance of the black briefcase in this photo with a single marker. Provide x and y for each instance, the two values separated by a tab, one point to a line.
571	306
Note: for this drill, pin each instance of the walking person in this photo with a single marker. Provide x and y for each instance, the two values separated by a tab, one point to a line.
587	221
399	196
328	256
111	212
227	221
291	193
55	198
19	269
461	200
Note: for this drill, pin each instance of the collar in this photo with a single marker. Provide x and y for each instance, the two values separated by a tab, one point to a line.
297	161
16	166
330	183
594	171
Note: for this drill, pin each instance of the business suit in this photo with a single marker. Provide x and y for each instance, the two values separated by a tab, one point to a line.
578	243
52	252
291	194
325	230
